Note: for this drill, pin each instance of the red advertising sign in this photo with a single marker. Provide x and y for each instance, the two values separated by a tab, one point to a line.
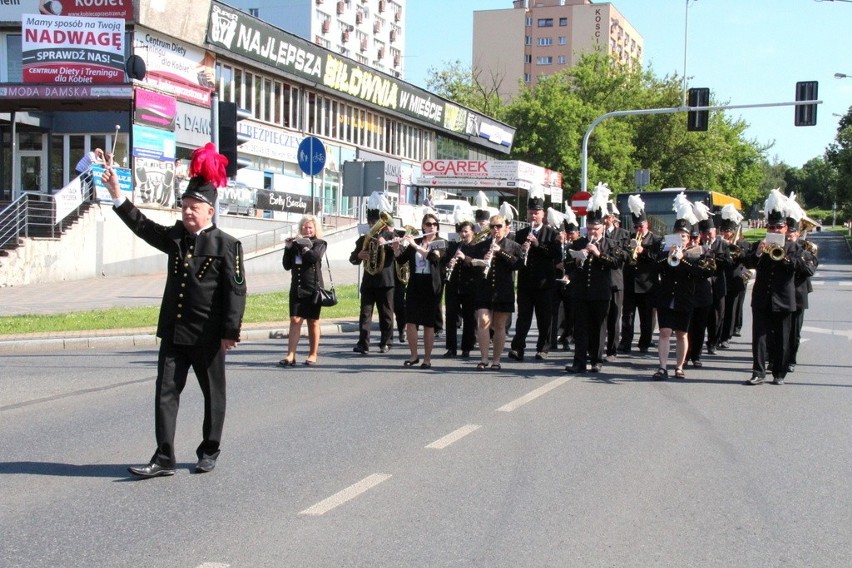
154	109
72	51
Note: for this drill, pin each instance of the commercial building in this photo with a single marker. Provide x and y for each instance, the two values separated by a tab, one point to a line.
535	38
372	32
142	76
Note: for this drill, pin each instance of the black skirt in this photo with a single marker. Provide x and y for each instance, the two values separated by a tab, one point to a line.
304	307
421	303
671	319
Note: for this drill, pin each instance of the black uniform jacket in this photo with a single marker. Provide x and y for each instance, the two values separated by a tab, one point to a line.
409	255
622	237
735	273
774	285
592	280
539	272
677	287
463	277
802	279
499	285
205	294
724	262
385	277
306	276
642	275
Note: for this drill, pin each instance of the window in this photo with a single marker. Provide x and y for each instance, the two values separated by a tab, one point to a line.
527	78
562	60
544	60
545	22
545	41
254	12
528	40
563	22
563	40
528	21
527	58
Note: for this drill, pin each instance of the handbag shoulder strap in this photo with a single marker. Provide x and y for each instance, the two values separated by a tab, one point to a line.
328	266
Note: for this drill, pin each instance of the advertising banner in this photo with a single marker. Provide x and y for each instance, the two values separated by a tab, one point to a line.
153	143
71	50
154	109
125	182
13	10
289	202
176	68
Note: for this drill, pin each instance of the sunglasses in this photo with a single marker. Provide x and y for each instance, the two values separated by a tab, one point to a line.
495	226
777	227
430	224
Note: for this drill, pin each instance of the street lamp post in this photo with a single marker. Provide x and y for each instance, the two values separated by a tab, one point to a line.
842	76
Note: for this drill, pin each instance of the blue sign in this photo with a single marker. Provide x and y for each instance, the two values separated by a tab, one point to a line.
311	155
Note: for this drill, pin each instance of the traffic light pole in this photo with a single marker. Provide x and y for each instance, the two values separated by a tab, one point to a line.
214	138
584	164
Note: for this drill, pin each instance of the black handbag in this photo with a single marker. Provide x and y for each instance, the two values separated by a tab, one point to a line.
326	297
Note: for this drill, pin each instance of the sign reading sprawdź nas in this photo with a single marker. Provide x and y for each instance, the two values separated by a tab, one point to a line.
12	11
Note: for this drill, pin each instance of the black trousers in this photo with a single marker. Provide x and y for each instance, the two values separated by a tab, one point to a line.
539	302
613	321
770	339
399	307
560	325
459	309
796	335
173	364
715	323
382	299
697	331
643	304
589	330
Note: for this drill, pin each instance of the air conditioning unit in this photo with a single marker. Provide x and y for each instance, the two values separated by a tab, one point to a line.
326	25
382	6
340	8
359	17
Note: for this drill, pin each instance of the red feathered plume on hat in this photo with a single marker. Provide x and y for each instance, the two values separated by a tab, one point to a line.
210	165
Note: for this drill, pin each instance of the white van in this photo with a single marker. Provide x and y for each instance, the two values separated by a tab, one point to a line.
446	210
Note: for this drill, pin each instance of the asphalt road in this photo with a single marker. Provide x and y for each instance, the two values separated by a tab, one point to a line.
360	462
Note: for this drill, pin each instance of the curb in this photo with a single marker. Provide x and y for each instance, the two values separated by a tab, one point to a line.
150	340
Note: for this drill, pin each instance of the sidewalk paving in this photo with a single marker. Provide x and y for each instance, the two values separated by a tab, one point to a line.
132	291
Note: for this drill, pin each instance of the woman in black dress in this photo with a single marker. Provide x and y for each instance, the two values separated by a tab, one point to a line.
303	256
675	299
425	284
498	258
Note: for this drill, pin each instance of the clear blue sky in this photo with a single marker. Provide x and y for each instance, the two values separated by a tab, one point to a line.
746	51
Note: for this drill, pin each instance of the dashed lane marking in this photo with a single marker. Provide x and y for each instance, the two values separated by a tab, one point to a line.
454	436
517	403
345	495
841	332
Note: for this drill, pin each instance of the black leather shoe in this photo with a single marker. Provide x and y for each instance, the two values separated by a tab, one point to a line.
778	381
205	465
697	363
359	349
465	354
516	355
450	353
576	369
711	350
791	367
152	470
384	348
541	355
596	368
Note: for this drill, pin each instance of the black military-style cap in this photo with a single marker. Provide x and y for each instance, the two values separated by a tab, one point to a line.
482	215
200	190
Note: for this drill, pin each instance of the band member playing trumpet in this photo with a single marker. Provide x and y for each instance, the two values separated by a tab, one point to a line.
596	257
773	298
802	278
536	280
675	297
498	258
377	284
736	275
459	291
425	284
640	279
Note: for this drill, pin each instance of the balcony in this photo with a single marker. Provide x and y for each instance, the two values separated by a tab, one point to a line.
326	25
341	7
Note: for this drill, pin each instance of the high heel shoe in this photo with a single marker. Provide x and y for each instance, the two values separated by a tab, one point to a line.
411	363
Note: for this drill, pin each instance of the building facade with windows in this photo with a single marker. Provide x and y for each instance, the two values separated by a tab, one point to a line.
372	32
150	94
536	38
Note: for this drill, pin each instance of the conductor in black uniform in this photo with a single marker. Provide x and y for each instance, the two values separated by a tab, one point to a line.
202	308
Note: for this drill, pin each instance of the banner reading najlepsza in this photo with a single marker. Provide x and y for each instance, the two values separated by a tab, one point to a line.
72	50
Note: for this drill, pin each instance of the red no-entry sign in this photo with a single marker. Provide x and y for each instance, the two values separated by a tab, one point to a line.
580	201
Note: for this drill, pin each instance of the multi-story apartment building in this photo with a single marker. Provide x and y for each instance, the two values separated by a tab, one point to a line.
535	38
369	31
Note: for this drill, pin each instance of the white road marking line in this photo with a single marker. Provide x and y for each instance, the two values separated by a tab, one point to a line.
818	282
842	333
517	403
345	495
455	436
844	283
213	565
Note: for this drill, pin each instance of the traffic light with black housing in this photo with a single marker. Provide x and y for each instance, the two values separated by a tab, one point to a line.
698	120
230	138
806	115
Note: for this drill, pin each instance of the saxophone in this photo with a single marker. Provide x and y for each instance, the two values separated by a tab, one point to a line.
375	260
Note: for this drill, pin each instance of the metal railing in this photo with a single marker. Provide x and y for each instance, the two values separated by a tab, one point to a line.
32	215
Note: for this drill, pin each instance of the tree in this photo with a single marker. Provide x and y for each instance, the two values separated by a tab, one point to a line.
838	155
475	89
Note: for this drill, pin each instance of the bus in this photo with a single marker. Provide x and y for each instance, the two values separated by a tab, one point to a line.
659	210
